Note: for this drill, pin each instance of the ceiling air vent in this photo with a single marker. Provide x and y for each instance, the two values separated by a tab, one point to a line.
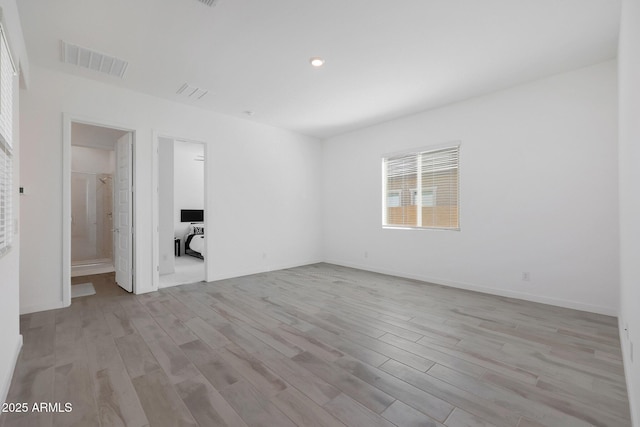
96	61
209	3
191	92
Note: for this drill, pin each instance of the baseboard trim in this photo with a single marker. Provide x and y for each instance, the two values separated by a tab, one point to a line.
14	362
608	311
42	307
634	403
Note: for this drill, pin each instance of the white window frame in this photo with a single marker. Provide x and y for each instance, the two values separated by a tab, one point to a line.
416	192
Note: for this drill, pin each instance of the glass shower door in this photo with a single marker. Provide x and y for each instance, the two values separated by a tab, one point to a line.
91	217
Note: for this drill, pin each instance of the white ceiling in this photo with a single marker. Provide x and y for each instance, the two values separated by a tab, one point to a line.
384	59
91	136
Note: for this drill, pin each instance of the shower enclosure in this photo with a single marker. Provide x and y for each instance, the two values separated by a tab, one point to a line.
91	223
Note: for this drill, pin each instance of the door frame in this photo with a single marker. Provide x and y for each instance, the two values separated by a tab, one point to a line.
67	120
208	273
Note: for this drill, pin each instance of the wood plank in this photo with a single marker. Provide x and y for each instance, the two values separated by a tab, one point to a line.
353	414
161	402
404	415
171	358
73	385
371	397
460	418
136	355
252	370
428	404
476	405
253	407
574	409
177	330
310	385
207	333
217	371
118	403
207	406
303	411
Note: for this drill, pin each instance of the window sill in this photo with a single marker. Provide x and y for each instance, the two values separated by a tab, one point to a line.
404	227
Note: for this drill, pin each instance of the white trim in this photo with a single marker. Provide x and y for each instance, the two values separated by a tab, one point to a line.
634	405
425	148
155	216
608	311
12	367
67	119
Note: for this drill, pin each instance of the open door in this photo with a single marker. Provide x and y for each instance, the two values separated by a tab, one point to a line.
123	230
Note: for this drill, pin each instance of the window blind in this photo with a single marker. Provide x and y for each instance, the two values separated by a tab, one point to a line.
5	199
7	71
6	90
421	189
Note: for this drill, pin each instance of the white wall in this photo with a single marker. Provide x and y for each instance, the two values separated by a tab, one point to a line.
538	181
9	263
629	89
165	204
94	136
281	168
188	179
92	160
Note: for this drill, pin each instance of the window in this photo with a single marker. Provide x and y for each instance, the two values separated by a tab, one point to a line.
428	196
394	198
421	189
7	71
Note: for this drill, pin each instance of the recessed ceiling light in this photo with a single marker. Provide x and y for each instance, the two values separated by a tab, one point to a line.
316	61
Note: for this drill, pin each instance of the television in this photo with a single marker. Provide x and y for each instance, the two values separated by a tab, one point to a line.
191	215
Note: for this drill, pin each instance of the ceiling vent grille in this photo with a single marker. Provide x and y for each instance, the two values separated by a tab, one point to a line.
191	92
92	60
209	3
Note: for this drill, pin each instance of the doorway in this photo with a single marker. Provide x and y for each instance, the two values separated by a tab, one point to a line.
99	163
181	239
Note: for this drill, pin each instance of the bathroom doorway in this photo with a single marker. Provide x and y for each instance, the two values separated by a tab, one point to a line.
100	163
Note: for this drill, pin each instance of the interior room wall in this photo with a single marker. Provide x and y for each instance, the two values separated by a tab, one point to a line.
279	169
188	181
94	137
538	179
165	204
92	160
10	263
629	89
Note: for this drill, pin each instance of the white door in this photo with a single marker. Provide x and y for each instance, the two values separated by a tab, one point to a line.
123	229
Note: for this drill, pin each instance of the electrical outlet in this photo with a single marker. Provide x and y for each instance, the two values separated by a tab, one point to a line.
526	276
366	254
264	255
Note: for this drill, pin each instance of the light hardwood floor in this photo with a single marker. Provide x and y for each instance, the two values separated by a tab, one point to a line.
319	345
